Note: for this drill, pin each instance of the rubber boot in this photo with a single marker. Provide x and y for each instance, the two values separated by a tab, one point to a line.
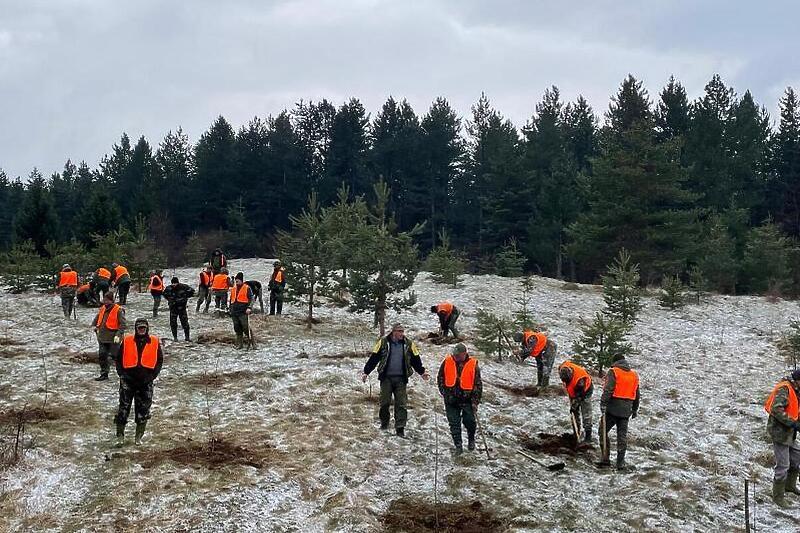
539	379
471	442
545	381
587	435
102	377
140	427
778	492
239	341
791	481
120	435
186	334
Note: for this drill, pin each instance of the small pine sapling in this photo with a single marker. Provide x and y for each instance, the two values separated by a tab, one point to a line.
493	334
621	289
445	264
509	261
698	284
672	292
600	341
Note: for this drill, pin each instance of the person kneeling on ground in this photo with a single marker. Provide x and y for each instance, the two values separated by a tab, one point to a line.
461	387
138	364
783	424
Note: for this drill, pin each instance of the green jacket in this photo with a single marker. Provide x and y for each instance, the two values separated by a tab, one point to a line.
380	356
781	428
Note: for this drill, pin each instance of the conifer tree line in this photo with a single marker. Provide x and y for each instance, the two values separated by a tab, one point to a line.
709	186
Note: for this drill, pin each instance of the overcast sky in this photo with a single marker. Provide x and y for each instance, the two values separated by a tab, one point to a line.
75	74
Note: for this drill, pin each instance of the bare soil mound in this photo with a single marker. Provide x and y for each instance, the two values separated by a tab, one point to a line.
563	444
532	391
412	514
216	337
212	454
434	338
218	379
30	415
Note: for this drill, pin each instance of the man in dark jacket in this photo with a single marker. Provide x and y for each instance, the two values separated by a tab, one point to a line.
255	286
177	296
783	406
138	364
240	306
620	402
461	387
277	284
395	356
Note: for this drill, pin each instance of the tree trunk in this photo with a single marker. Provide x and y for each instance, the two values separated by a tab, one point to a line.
311	304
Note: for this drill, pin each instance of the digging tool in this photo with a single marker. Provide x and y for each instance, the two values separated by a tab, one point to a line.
555	467
574	420
480	430
251	338
604	451
75	311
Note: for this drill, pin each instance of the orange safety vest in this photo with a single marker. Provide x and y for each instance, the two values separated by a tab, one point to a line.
103	273
277	277
83	288
120	271
68	279
578	373
130	355
156	284
113	318
205	278
445	307
220	282
541	342
626	384
467	373
241	297
793	408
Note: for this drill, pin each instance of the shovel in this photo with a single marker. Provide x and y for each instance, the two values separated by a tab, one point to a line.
555	467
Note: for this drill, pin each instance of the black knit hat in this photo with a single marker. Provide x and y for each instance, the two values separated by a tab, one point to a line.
174	280
240	275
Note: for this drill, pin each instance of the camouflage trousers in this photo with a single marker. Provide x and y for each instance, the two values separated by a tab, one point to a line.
544	365
140	394
583	411
67	302
156	302
456	413
450	324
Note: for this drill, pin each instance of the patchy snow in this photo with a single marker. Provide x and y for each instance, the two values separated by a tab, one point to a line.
705	371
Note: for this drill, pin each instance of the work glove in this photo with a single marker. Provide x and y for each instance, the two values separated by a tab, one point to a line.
116	339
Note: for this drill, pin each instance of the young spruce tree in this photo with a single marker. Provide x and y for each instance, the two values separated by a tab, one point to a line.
621	289
600	341
445	264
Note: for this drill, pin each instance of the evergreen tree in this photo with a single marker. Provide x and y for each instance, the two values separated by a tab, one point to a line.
672	292
174	166
142	191
441	153
62	190
341	219
523	314
347	152
600	341
242	241
194	253
313	124
492	334
100	215
766	259
445	264
629	108
22	268
672	112
698	284
785	164
6	213
719	256
215	175
384	264
252	163
306	256
621	289
580	134
286	181
748	150
509	261
36	220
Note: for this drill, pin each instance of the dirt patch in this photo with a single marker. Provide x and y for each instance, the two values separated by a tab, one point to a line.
216	337
31	415
8	341
412	514
347	355
81	358
532	391
434	338
217	379
212	454
13	351
563	444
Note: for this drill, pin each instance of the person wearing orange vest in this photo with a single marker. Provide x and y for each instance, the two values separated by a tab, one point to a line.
156	288
204	289
67	287
220	284
121	279
461	388
138	365
783	406
448	315
277	284
241	305
578	384
102	280
109	326
543	350
619	403
86	296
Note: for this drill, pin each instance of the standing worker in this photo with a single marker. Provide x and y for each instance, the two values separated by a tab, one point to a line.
177	296
156	288
277	283
396	358
109	326
137	366
121	279
448	315
783	424
102	280
620	402
219	286
578	384
461	387
536	344
241	305
67	287
218	261
204	288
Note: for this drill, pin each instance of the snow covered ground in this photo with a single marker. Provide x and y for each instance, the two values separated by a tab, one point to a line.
324	464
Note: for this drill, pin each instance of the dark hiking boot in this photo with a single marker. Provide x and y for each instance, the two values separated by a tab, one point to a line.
458	450
102	377
140	427
120	440
791	482
384	426
401	432
471	444
587	436
778	492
